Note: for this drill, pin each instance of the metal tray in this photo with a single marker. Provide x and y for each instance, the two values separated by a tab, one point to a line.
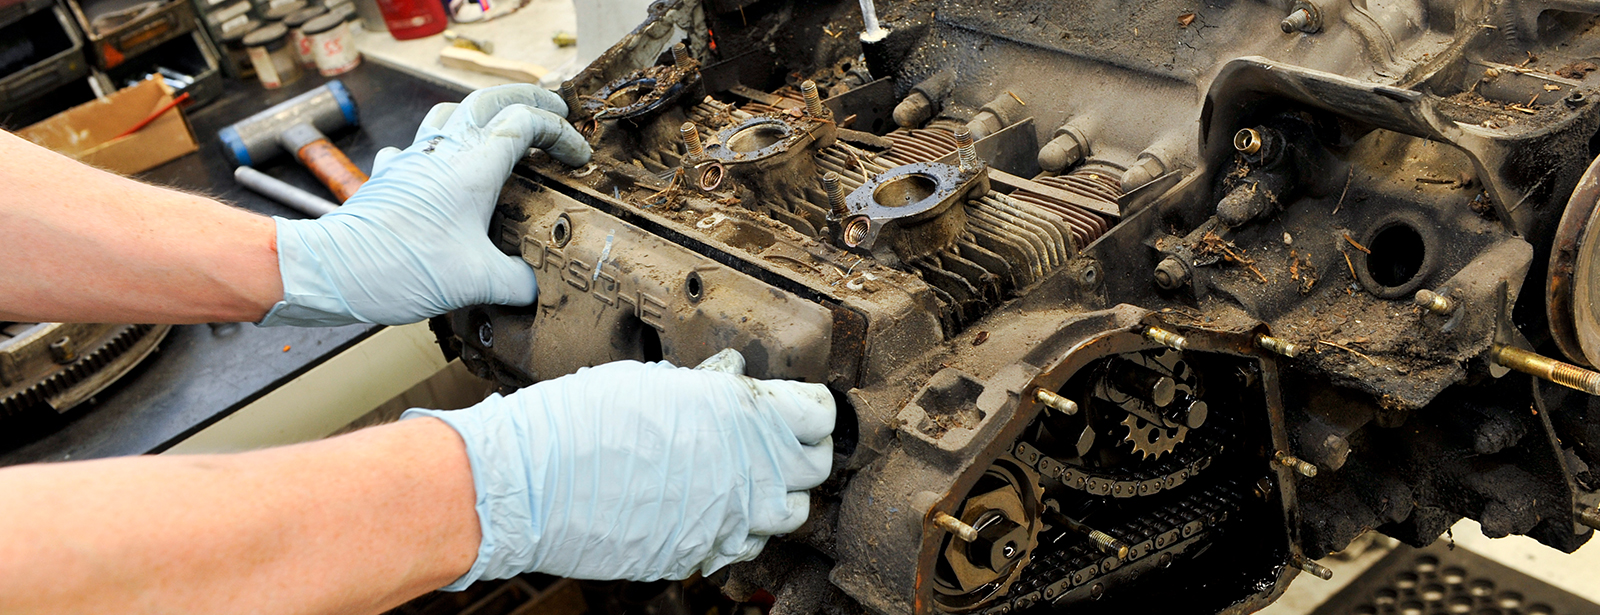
116	45
59	68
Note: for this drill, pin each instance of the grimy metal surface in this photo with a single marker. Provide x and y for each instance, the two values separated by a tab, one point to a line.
1242	280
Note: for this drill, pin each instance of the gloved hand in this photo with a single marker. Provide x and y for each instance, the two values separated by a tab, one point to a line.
641	471
413	241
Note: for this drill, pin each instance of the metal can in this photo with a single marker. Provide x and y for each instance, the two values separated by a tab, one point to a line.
279	11
297	37
332	47
234	53
271	55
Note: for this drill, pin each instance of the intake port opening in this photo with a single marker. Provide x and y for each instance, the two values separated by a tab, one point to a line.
756	138
633	338
631	94
905	190
650	343
1396	257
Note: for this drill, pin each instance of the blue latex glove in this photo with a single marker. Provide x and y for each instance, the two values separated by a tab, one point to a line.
413	241
641	471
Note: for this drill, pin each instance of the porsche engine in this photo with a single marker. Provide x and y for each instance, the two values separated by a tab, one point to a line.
1126	304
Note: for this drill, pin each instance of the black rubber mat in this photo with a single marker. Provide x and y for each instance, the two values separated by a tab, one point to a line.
1439	580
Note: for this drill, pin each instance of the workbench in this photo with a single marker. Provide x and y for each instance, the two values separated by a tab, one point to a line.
203	374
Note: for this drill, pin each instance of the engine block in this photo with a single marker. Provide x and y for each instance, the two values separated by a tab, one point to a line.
1125	305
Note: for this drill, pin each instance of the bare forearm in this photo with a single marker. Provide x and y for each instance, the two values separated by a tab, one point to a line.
353	524
84	245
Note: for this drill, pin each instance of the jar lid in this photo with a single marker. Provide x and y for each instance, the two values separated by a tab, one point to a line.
322	24
267	34
346	10
283	10
304	15
234	34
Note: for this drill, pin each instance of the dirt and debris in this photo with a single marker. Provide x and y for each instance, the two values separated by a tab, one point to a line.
1349	350
1185	19
670	197
1302	271
1483	206
1212	245
1577	70
1473	108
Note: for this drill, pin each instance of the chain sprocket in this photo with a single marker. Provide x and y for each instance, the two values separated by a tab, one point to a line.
1150	440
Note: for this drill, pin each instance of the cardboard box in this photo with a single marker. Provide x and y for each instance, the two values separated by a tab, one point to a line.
88	132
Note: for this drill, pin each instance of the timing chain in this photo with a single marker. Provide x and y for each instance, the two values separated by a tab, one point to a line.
1159	537
1111	485
1155	538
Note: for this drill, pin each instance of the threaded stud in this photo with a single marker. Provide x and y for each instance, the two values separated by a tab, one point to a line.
837	208
569	95
1435	302
1166	338
1055	402
1278	345
1317	570
691	138
808	89
1547	368
680	56
1305	468
1298	21
1109	544
967	152
953	525
1588	515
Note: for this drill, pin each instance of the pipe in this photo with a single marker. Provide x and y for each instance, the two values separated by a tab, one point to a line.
869	14
277	190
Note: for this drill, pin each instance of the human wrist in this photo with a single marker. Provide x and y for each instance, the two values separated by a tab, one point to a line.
309	295
442	455
494	439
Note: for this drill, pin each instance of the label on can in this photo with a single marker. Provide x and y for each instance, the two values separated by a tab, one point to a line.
334	51
265	71
302	48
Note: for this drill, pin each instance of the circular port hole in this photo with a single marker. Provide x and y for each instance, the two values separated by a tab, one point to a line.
711	176
561	232
1247	141
905	190
856	230
630	95
1396	257
694	287
757	137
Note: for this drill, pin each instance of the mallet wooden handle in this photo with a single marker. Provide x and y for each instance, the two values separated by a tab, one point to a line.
332	167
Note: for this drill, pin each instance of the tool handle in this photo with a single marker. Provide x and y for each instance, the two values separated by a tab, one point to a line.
332	167
282	192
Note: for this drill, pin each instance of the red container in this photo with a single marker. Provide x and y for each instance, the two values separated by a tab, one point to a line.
408	19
